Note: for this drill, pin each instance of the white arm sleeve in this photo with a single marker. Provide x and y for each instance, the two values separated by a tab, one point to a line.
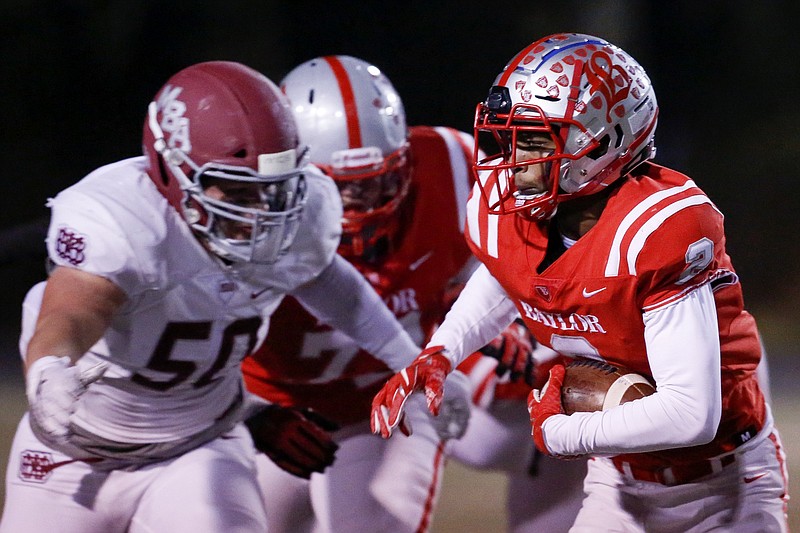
341	298
481	312
682	342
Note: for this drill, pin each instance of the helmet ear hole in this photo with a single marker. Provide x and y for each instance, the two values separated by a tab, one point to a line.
602	149
162	171
620	136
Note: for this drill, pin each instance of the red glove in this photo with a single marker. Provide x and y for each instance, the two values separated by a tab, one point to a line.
544	404
297	440
513	349
427	372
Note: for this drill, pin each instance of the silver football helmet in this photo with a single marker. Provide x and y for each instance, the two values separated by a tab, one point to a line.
353	121
592	99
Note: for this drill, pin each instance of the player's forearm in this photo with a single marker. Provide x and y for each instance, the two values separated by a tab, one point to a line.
683	351
56	336
341	298
76	310
480	313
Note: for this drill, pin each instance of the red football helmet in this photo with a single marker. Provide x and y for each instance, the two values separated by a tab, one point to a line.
353	120
222	122
592	100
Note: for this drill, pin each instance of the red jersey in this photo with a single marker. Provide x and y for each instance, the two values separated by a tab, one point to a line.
305	363
658	238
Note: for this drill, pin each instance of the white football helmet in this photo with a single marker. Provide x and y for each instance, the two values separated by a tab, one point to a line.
590	97
353	121
223	124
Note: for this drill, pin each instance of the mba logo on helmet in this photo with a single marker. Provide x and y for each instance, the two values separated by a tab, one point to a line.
173	121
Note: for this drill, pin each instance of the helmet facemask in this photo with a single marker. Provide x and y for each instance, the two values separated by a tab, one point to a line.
242	215
500	129
258	226
372	188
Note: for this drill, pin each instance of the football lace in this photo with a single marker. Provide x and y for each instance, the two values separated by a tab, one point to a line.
606	367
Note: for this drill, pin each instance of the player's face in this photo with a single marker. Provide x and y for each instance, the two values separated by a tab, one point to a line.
533	178
242	194
366	194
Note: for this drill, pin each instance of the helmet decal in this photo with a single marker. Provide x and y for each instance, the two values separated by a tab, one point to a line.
173	119
348	100
611	81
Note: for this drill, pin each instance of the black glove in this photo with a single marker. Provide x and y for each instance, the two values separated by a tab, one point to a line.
513	349
297	440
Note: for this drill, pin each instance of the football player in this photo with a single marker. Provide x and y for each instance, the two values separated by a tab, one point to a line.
167	268
610	256
404	192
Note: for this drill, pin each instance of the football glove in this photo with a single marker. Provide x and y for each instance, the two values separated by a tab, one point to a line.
53	386
426	373
297	440
513	349
544	403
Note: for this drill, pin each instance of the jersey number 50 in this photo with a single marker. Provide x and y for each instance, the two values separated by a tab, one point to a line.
182	370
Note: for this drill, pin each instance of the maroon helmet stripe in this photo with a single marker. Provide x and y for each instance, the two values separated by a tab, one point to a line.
349	100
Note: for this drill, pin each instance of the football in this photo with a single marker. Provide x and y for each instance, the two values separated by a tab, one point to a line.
591	385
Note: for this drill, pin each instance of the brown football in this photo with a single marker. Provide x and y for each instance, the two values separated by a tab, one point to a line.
591	385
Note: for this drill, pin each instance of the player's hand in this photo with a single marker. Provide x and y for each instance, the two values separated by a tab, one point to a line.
297	440
513	349
53	386
426	373
544	403
454	413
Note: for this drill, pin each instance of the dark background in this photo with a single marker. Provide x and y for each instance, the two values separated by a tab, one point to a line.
77	77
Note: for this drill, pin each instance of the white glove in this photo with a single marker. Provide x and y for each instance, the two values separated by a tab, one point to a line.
453	418
53	387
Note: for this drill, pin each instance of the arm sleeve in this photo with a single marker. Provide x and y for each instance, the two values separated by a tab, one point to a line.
684	355
341	298
480	313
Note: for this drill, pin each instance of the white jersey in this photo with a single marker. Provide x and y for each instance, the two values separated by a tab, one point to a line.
176	345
